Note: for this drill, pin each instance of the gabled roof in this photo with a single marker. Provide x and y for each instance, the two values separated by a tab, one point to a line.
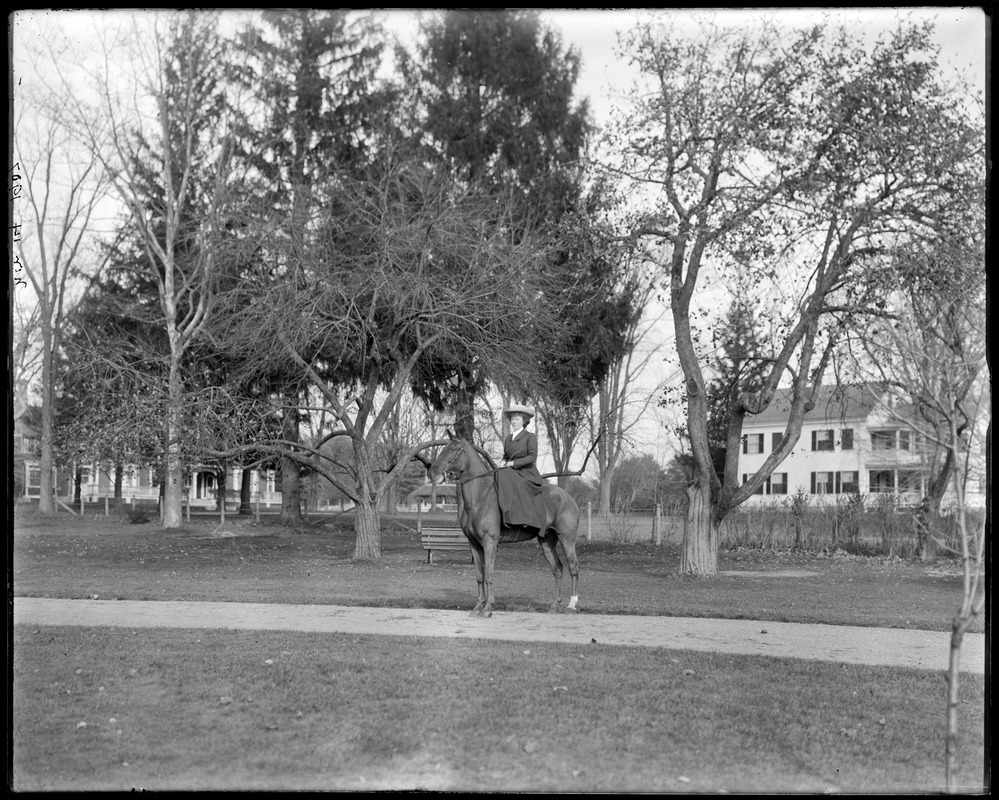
832	404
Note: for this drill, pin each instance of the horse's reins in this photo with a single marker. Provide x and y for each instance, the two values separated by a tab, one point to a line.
483	475
476	477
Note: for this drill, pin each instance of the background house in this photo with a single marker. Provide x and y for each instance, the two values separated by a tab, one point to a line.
96	480
858	438
443	496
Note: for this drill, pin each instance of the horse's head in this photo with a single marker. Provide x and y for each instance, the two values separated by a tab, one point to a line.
451	462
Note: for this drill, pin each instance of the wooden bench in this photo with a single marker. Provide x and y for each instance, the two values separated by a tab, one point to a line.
440	537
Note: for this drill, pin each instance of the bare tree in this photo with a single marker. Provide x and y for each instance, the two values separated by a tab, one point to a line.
406	272
797	159
167	149
930	347
932	351
25	356
620	405
972	543
55	242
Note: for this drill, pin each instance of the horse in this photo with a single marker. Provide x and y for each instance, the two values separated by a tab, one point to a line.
480	521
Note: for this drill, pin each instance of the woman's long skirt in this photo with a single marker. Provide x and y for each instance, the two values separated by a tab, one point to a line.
520	498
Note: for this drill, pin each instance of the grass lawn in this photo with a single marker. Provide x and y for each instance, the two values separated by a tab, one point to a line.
170	709
249	563
114	709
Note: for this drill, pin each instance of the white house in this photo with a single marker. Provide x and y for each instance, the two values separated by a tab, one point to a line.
856	439
138	483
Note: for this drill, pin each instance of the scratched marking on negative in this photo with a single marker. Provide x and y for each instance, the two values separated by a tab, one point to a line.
16	187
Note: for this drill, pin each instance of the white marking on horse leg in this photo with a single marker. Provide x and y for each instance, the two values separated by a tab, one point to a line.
572	601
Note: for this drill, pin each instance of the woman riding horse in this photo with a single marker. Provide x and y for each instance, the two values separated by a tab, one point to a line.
482	521
519	483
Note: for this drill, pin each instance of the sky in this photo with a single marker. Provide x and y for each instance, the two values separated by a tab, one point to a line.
594	34
961	33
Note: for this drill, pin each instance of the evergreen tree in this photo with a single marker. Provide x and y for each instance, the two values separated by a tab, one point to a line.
312	78
495	106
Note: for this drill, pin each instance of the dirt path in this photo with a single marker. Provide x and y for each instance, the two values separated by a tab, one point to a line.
874	646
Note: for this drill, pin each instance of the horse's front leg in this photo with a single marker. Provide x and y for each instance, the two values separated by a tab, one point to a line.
479	560
489	563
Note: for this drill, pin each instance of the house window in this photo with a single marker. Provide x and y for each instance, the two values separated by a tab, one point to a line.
752	444
34	485
882	480
823	482
822	440
848	482
883	440
778	483
776	439
847	438
910	481
745	479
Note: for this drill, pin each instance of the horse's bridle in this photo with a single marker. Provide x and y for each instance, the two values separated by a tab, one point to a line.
446	472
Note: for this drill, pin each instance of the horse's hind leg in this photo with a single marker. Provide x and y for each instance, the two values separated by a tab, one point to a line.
569	549
548	545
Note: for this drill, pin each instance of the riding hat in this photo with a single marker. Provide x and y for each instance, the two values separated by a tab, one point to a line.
527	411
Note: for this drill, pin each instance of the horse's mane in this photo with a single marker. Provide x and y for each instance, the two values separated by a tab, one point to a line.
483	454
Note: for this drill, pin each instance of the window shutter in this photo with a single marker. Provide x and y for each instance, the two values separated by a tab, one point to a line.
847	438
777	439
813	448
838	484
813	477
745	445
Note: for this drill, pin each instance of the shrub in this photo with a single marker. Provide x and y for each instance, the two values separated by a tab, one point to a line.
136	515
799	506
886	511
849	515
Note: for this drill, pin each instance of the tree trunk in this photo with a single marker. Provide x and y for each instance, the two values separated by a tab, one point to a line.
245	505
464	415
700	535
606	479
119	476
367	530
291	472
959	627
173	477
222	479
928	515
392	500
46	500
367	544
291	493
